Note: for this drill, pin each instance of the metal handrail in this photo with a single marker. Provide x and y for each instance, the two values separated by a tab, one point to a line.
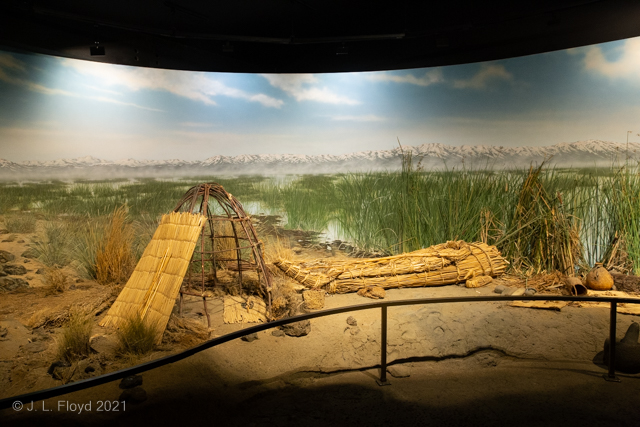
383	305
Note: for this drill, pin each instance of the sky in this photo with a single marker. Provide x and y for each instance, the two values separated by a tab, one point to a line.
53	108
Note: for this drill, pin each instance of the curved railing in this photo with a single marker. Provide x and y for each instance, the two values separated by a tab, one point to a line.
383	305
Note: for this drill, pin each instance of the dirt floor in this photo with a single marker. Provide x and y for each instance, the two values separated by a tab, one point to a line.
485	363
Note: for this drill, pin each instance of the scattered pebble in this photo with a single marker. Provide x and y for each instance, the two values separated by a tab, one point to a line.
250	337
499	289
351	321
297	329
530	292
131	381
277	333
517	292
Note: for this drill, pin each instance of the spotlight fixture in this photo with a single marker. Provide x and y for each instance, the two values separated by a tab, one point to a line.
96	50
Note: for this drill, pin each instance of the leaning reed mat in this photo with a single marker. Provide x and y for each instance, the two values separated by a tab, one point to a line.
442	264
154	285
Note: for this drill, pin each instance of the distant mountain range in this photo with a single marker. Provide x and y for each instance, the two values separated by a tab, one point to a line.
430	156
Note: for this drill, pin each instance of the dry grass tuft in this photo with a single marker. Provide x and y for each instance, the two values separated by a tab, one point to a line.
136	336
277	248
74	344
114	259
24	223
184	332
56	281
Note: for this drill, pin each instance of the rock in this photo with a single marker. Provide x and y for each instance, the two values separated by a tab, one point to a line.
499	289
507	291
631	336
103	344
40	271
297	329
131	381
250	338
79	281
277	333
313	300
58	369
12	283
3	333
517	292
133	395
529	292
373	292
20	241
351	321
14	269
30	253
6	256
35	347
398	371
627	351
26	260
89	369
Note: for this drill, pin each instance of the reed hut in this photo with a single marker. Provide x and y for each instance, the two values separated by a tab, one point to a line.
227	240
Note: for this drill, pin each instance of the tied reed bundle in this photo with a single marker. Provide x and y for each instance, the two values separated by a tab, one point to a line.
442	264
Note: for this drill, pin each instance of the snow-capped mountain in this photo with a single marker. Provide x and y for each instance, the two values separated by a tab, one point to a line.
428	156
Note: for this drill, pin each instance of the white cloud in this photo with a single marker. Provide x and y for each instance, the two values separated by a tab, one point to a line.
297	85
367	118
487	73
627	65
9	66
429	78
192	85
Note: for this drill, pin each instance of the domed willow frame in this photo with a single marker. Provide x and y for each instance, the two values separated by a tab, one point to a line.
227	238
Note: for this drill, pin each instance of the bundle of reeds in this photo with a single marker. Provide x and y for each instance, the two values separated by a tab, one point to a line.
442	264
543	236
154	285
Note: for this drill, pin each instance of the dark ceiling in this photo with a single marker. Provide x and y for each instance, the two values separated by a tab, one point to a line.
286	36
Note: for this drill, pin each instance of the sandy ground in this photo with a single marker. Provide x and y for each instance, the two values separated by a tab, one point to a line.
328	377
454	364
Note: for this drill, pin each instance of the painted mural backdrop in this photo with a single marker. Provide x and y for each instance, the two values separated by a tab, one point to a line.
386	161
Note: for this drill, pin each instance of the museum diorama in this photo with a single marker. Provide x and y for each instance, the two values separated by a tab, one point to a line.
264	213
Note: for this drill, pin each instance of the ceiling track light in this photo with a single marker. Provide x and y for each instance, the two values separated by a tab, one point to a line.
96	50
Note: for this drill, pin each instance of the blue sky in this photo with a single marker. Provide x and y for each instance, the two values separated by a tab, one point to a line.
54	108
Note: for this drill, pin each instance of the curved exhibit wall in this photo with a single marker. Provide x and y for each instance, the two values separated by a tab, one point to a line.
63	112
371	163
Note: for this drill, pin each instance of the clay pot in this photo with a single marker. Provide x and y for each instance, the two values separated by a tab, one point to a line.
599	278
575	287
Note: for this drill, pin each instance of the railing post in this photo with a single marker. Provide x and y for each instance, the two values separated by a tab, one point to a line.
383	348
611	375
